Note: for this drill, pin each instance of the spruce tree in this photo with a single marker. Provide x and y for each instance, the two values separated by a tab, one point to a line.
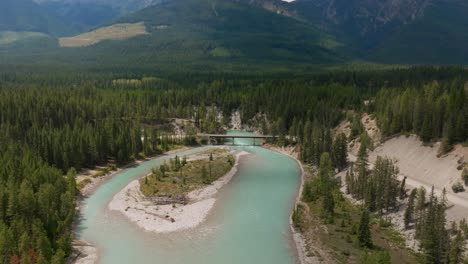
420	201
340	151
425	133
364	232
362	172
403	188
327	186
434	235
457	247
409	212
348	182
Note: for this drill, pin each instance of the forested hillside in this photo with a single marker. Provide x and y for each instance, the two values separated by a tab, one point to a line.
195	35
359	207
238	35
389	31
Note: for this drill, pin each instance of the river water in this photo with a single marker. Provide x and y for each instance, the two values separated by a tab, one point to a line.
248	224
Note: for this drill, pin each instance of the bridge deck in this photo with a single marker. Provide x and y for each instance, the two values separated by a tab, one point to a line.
234	136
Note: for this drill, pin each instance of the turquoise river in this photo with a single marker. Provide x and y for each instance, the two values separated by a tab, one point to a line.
248	224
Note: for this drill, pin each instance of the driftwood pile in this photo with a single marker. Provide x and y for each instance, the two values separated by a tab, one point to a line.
168	199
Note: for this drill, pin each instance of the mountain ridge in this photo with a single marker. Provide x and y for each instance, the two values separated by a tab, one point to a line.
25	15
394	31
205	35
307	32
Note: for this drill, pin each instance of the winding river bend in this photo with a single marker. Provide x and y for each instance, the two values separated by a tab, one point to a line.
248	224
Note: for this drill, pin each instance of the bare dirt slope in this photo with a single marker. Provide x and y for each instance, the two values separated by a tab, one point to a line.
344	127
369	123
114	32
422	167
420	162
372	129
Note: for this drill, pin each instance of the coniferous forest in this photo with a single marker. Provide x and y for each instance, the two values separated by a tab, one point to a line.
53	125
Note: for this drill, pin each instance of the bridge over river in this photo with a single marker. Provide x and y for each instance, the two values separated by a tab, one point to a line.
234	136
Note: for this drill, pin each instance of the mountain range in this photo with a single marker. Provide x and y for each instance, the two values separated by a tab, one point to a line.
249	32
394	31
25	15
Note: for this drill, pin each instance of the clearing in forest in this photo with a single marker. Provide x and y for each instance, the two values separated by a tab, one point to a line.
114	32
9	37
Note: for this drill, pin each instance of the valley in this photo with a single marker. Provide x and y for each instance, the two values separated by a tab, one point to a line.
233	131
108	125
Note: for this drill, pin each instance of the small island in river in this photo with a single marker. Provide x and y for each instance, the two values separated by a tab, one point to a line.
177	194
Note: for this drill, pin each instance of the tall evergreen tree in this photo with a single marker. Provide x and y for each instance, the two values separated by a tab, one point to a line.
364	232
457	247
340	151
327	185
409	212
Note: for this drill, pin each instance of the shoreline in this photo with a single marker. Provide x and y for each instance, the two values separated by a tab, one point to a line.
91	187
170	218
297	237
84	252
185	217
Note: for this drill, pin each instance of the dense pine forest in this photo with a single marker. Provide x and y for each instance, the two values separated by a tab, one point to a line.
52	125
435	111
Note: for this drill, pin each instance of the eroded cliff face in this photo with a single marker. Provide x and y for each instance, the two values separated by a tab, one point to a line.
370	15
365	15
276	6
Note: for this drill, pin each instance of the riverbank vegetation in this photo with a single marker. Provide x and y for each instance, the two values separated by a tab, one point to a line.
374	195
381	192
181	175
53	121
347	232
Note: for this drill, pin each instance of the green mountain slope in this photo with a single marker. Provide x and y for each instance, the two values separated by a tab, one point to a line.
394	31
243	34
205	35
25	15
439	37
204	28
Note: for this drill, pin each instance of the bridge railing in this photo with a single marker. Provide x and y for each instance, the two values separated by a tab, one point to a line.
233	137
